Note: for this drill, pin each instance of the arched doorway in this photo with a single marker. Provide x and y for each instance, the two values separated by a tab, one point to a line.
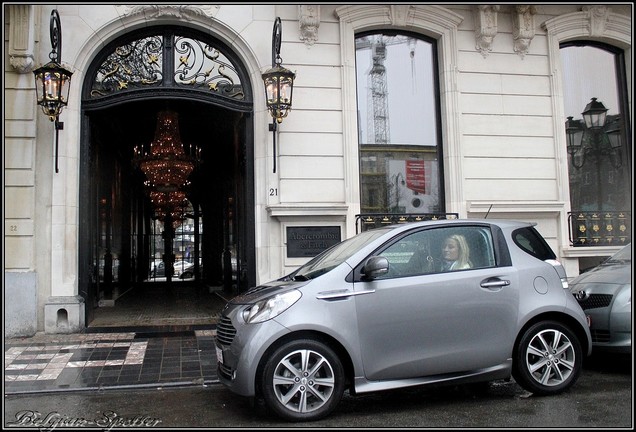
122	235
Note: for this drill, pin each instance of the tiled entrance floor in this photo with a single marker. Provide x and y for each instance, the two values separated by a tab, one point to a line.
45	363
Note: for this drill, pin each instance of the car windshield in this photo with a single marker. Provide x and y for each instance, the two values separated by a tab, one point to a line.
622	256
336	255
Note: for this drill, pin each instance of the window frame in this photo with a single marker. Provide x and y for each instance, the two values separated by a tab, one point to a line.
438	159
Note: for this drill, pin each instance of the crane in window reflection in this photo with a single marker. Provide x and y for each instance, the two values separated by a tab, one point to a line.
378	100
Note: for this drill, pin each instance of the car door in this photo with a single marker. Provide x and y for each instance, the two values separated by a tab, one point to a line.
415	323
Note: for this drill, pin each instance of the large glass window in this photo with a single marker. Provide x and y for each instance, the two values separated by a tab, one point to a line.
598	143
598	156
400	168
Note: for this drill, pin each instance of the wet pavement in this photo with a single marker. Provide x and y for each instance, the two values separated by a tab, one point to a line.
87	361
601	399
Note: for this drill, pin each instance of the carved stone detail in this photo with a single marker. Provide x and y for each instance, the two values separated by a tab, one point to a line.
523	28
181	12
400	14
598	16
485	27
22	63
308	23
21	37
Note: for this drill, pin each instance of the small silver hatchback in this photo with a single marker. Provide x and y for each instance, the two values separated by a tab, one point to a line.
435	302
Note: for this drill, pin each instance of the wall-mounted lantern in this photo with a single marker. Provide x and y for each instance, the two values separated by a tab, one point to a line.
279	85
53	81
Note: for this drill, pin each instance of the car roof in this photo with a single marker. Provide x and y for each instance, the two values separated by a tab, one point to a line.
502	223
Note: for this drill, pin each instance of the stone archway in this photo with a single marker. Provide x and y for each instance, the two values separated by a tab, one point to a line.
130	81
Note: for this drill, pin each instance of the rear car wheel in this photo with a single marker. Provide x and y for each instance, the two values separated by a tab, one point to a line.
548	359
303	380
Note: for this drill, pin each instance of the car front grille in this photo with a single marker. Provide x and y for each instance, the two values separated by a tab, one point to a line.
596	301
600	335
225	331
225	371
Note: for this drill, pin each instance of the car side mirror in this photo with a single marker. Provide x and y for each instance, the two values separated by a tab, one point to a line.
375	266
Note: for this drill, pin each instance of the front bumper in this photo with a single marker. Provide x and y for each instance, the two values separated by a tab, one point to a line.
240	348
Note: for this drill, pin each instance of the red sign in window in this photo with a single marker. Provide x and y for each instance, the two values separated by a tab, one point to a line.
415	178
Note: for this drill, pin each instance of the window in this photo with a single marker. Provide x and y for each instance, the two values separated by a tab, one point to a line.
440	250
398	117
531	242
597	157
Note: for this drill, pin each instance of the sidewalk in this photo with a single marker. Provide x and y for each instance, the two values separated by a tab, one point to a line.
94	361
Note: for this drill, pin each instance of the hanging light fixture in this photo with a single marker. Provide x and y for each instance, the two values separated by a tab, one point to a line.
279	85
170	205
53	81
167	166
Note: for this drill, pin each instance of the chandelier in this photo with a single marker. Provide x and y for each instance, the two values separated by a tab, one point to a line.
167	167
169	204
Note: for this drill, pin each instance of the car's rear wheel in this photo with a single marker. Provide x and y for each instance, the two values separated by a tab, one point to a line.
548	359
303	380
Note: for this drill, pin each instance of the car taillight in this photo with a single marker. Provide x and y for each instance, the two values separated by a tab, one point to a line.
560	271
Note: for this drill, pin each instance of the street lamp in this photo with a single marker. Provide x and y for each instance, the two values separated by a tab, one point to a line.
53	81
596	135
279	85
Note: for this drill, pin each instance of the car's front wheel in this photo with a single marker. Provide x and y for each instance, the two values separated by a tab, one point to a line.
548	358
303	380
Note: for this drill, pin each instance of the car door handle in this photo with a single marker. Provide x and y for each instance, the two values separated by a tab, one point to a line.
495	283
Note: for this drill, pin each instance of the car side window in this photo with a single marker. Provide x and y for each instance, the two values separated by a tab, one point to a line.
438	250
409	256
531	242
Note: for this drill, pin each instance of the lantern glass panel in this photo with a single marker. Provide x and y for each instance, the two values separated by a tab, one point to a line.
594	120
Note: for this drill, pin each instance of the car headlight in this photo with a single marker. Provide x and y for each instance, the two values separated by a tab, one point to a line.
270	307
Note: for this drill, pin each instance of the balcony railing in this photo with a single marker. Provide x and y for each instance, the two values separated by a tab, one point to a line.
600	228
368	221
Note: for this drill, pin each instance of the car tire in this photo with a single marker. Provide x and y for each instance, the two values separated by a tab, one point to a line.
303	380
548	359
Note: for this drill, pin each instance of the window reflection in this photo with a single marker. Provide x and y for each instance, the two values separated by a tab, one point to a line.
398	137
601	159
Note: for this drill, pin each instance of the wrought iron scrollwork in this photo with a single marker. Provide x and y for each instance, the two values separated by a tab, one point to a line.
55	30
202	66
145	62
277	36
136	64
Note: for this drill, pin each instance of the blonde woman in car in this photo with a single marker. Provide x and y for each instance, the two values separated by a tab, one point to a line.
455	253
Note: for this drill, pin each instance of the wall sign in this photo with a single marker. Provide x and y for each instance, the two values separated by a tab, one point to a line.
305	242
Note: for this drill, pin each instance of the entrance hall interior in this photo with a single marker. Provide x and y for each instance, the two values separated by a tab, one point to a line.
125	237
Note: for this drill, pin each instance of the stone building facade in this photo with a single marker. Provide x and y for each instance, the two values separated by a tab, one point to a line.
503	149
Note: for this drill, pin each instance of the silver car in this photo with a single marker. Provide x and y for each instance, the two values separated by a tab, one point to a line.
383	310
605	294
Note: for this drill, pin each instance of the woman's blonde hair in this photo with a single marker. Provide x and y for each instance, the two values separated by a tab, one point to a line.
463	261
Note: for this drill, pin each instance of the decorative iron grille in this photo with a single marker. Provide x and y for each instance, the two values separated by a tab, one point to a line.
368	221
203	66
165	60
600	228
133	65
